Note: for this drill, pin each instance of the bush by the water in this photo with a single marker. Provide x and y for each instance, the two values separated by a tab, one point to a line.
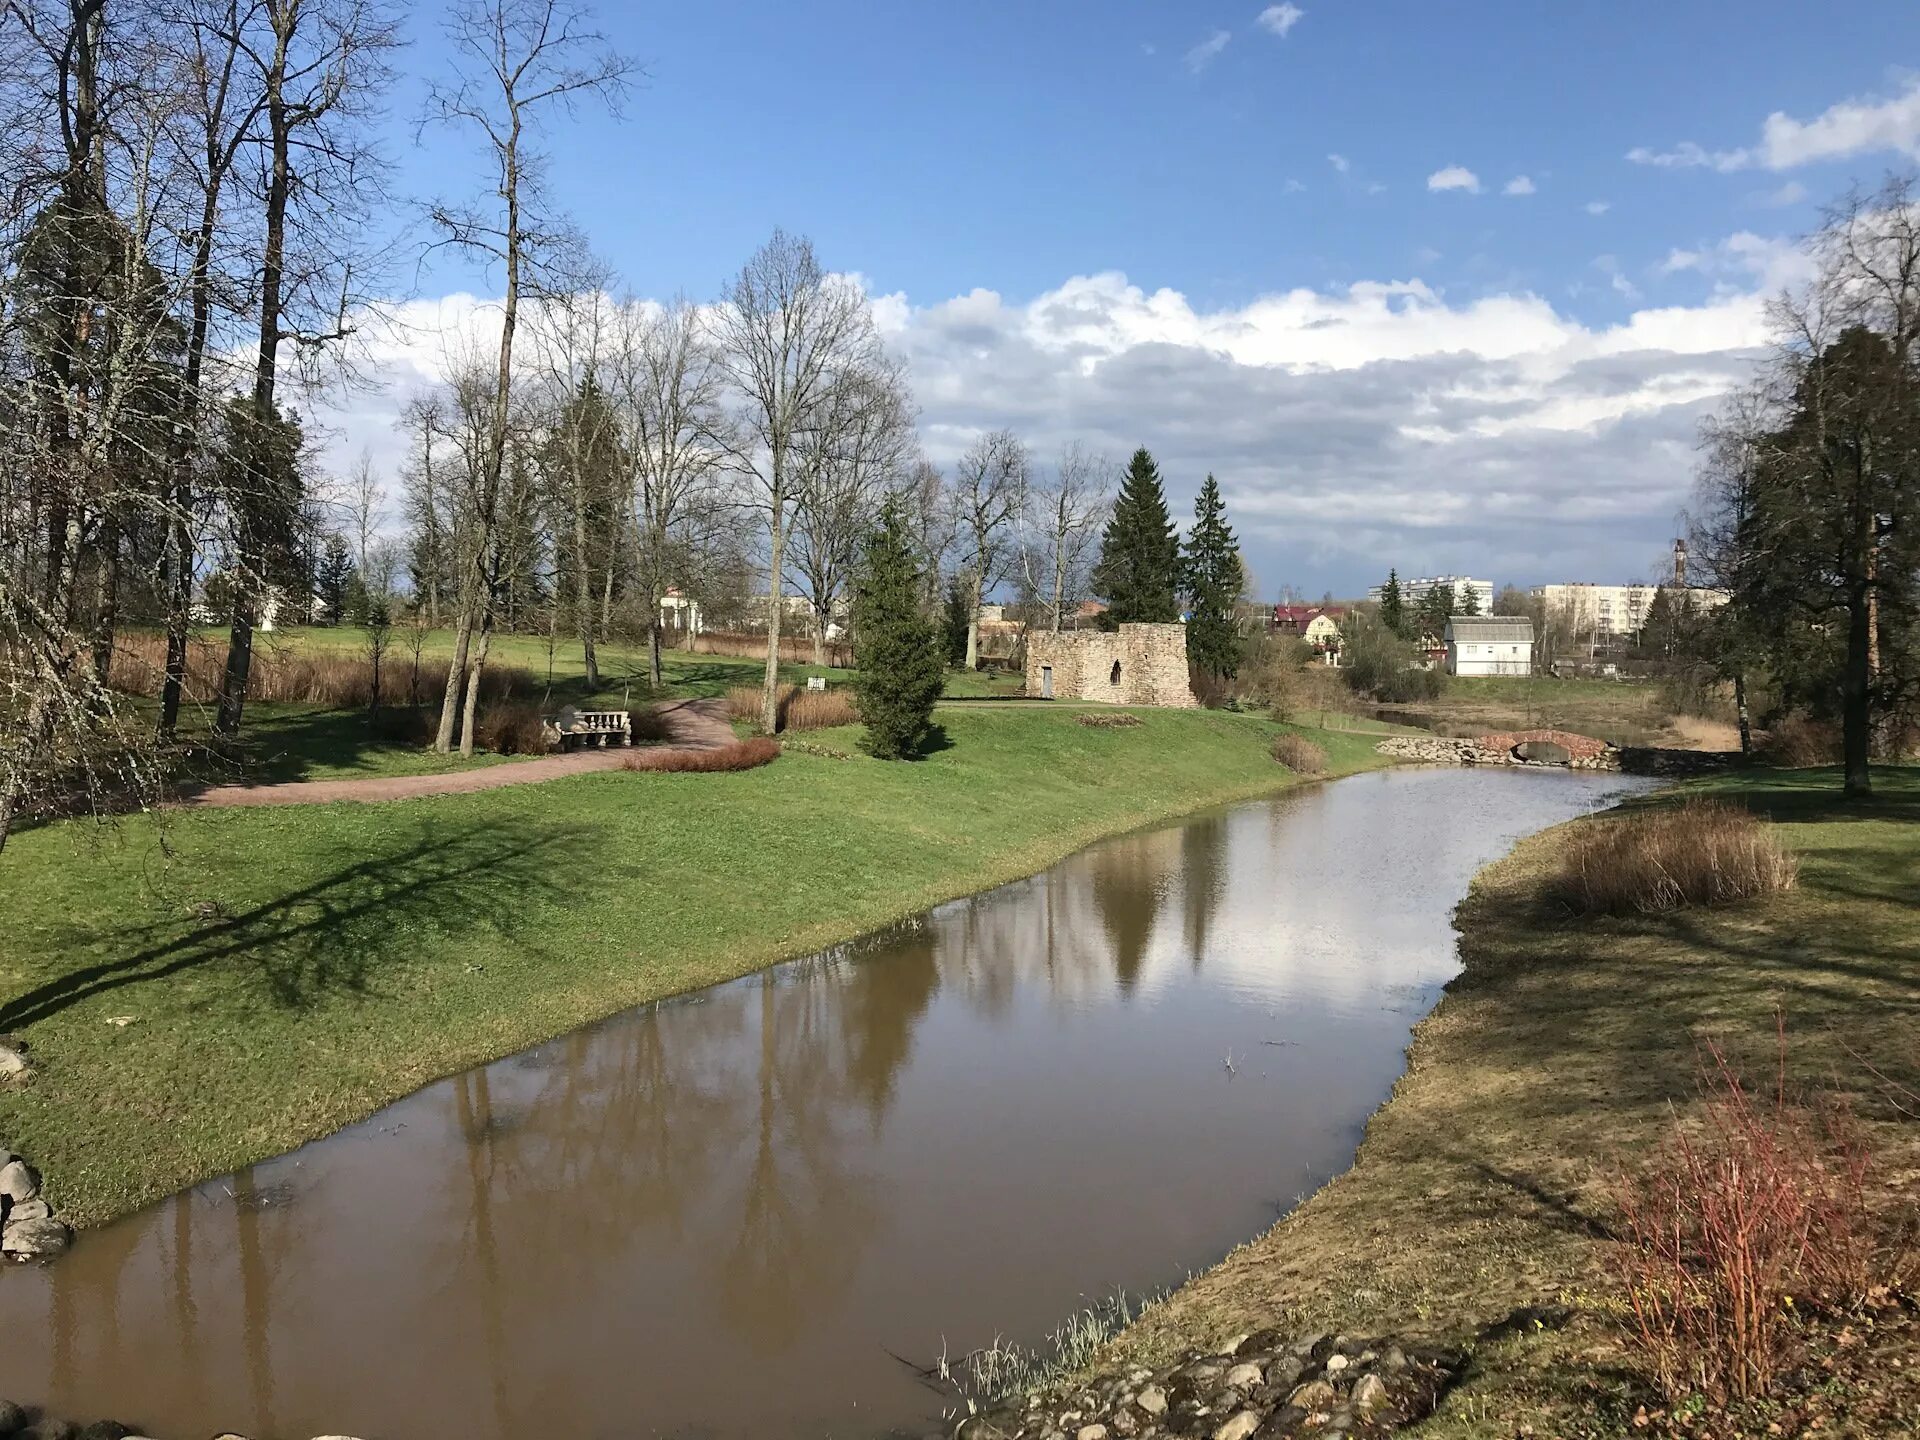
1299	755
745	754
1378	663
1752	1218
1703	852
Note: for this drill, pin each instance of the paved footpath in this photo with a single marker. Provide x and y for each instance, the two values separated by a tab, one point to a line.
691	725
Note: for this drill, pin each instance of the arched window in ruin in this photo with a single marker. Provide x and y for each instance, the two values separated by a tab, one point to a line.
1113	678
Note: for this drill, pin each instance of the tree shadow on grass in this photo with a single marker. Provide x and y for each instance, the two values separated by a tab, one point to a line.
323	936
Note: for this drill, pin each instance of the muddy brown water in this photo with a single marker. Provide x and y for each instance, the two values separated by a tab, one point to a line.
725	1215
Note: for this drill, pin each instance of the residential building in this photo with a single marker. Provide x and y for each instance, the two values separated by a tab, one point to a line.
1597	613
1413	591
1318	625
1489	645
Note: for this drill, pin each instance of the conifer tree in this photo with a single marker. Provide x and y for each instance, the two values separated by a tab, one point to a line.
1212	578
1469	601
333	580
1139	569
1393	605
1435	606
897	646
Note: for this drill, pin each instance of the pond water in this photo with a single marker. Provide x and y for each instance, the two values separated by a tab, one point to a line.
725	1215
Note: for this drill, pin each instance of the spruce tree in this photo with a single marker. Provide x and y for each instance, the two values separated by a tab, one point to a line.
1139	569
1393	605
1435	606
1469	601
333	579
897	647
1211	578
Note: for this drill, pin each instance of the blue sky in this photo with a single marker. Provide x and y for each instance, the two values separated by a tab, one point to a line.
1008	148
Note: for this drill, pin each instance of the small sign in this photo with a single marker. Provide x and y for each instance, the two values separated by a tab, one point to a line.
816	682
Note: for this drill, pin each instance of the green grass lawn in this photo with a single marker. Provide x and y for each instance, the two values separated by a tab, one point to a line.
284	971
1558	1058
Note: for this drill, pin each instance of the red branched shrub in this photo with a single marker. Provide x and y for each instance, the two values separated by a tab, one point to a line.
1753	1212
745	754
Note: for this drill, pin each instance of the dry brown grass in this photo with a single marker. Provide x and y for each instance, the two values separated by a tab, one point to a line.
1107	719
339	681
1299	755
1704	852
795	649
794	708
740	755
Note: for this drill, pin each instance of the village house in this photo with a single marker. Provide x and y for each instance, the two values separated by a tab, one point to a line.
1317	625
1489	645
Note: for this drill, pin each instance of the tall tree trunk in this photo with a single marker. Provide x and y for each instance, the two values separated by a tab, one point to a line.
233	689
1856	698
770	685
1740	711
653	651
473	683
819	637
1059	580
456	673
583	580
973	620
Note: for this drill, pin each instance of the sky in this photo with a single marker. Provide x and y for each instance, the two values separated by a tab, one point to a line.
1442	288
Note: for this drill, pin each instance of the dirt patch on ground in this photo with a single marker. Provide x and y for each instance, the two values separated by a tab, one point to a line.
690	725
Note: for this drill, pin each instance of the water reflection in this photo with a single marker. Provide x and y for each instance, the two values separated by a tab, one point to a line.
722	1213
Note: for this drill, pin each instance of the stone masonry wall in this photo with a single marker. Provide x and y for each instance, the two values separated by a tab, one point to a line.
1151	663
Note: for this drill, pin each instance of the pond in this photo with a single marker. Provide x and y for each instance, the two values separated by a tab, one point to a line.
726	1215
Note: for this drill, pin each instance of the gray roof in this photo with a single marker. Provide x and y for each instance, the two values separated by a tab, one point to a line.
1497	629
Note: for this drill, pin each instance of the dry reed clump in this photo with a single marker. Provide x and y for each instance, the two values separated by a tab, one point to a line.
1704	852
1800	742
1299	755
1754	1215
794	649
794	708
740	755
1107	720
341	681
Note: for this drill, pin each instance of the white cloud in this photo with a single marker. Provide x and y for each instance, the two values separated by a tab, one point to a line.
1742	262
1598	207
1454	177
1851	127
1609	266
1340	163
1292	187
1791	193
1345	424
1518	185
1279	19
1204	54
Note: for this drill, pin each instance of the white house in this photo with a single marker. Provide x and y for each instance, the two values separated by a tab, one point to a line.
1489	645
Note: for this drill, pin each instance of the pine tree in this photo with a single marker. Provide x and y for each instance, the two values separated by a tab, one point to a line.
1435	606
1469	601
898	651
1211	578
1139	570
956	619
333	579
1393	605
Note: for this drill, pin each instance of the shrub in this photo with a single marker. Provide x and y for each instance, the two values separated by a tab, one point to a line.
1704	852
1211	690
794	649
406	724
1380	664
1107	720
1300	755
743	702
818	710
511	728
1800	742
740	755
1753	1212
648	725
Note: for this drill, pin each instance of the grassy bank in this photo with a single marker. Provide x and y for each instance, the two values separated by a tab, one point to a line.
1625	712
268	975
1488	1183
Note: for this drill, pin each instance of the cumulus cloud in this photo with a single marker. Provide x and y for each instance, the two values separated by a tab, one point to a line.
1791	193
1204	54
1518	185
1454	177
1379	423
1851	127
1279	19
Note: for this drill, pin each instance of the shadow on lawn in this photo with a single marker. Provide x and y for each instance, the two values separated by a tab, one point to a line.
322	936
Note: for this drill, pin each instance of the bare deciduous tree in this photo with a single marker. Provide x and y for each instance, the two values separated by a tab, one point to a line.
1060	525
989	488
